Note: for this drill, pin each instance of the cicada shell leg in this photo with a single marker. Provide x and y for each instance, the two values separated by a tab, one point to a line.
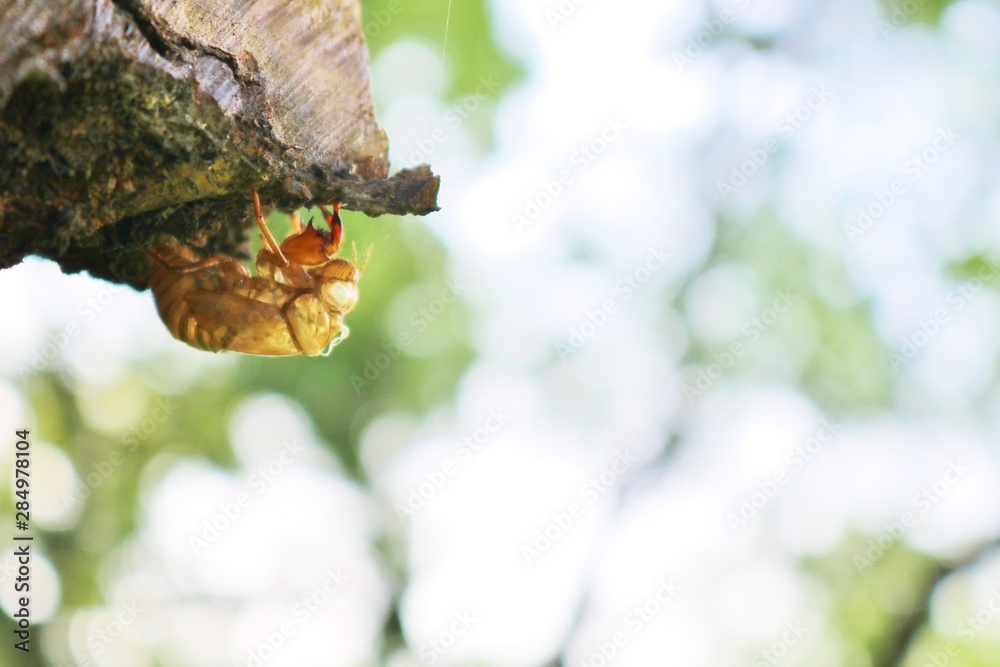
339	338
362	265
269	240
296	220
335	224
184	269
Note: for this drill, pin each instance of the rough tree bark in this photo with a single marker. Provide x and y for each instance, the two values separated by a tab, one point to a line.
122	120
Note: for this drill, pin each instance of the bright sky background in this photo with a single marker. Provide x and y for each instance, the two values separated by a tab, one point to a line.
597	497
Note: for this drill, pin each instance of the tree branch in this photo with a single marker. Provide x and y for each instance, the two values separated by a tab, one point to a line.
123	120
902	637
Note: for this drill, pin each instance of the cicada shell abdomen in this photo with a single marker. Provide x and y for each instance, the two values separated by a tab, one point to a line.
175	273
214	304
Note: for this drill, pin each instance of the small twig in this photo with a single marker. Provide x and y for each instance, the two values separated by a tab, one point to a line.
902	637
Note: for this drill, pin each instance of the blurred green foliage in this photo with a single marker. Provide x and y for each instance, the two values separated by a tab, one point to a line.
471	51
341	392
845	372
901	12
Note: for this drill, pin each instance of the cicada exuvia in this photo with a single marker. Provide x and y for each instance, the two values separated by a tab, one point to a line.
294	305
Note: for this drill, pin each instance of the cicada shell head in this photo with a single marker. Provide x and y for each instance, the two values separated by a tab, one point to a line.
338	284
310	247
